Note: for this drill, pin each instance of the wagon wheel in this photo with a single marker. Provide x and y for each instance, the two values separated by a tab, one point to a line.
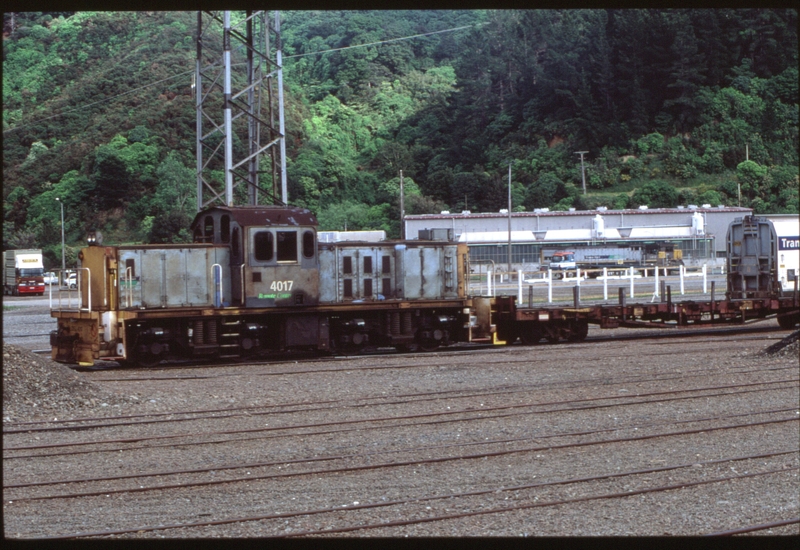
578	331
530	336
552	334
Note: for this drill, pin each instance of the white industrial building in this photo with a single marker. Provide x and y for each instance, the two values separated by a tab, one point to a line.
699	232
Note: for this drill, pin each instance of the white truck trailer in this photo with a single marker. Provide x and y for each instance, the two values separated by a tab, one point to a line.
23	272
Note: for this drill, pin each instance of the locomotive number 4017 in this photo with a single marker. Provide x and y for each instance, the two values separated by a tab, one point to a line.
281	286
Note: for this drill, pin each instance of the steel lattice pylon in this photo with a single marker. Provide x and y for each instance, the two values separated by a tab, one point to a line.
239	93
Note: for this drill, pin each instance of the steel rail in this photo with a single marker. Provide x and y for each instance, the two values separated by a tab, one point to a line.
142	489
385	419
239	411
751	528
387	452
384	504
400	523
430	414
425	396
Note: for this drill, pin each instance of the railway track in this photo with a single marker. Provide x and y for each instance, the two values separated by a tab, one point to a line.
511	441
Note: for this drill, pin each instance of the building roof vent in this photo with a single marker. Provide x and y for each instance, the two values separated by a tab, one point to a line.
720	206
602	208
445	212
693	206
572	210
504	210
466	212
643	207
706	206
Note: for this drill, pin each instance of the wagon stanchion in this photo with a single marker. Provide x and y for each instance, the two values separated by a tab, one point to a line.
549	286
632	282
705	279
622	301
713	285
576	296
605	283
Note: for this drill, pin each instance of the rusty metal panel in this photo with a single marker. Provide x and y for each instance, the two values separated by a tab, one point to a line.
328	284
411	274
432	271
173	277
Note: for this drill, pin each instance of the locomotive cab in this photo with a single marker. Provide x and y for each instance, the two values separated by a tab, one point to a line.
273	253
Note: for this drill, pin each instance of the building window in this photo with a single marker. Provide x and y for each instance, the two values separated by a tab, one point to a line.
347	264
386	266
386	288
367	264
348	288
367	288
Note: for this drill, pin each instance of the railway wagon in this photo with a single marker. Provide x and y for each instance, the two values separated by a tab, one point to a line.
754	291
257	281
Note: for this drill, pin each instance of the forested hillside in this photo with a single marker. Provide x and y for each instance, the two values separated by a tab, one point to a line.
673	106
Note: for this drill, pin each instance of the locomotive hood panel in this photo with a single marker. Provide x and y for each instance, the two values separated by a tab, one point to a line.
174	277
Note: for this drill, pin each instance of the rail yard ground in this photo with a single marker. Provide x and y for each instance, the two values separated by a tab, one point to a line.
630	433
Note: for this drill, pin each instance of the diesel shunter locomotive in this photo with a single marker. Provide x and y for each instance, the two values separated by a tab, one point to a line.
256	280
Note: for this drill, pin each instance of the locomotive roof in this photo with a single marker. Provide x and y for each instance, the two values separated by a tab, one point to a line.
262	215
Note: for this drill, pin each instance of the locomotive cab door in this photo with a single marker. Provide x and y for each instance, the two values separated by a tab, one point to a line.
237	267
282	268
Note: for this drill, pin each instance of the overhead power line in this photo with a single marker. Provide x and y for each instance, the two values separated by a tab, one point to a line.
105	99
384	41
112	98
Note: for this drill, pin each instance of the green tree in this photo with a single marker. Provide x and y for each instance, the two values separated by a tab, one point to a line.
655	194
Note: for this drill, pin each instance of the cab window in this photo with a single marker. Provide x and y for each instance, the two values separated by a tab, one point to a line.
263	244
308	244
287	246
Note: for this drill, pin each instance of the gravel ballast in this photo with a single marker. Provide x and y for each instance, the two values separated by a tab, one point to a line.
531	423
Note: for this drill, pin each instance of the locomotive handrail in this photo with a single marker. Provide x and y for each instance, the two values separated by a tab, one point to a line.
88	288
480	280
241	274
69	292
128	286
218	300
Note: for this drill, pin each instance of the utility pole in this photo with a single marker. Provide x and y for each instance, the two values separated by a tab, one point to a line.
402	209
583	170
509	222
63	251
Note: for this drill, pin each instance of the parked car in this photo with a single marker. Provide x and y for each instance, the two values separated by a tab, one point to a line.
72	280
50	278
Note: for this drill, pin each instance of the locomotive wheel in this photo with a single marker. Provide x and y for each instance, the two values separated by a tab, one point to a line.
787	322
578	331
407	348
429	344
